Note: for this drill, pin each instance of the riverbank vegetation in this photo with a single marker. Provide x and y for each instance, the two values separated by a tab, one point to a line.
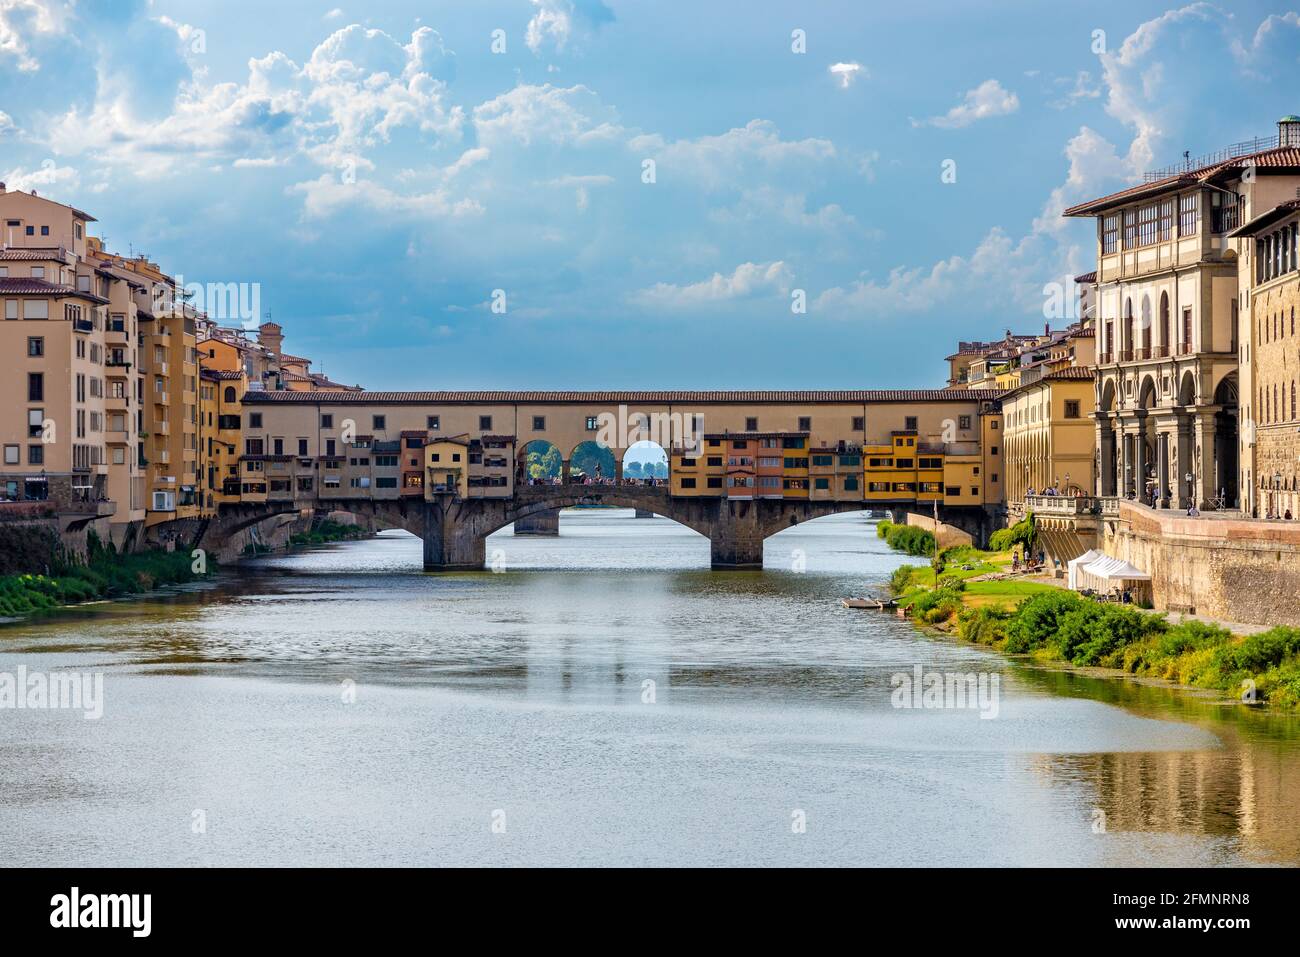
104	574
1024	617
327	531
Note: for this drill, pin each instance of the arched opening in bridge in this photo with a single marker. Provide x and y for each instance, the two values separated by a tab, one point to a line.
591	463
645	463
540	463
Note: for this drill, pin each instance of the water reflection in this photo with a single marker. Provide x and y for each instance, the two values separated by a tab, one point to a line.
531	690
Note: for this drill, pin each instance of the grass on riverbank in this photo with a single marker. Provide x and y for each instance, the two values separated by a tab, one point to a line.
1016	616
105	574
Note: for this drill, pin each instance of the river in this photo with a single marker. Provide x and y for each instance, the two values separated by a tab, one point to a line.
604	699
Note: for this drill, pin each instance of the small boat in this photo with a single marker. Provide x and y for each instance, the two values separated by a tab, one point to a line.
875	604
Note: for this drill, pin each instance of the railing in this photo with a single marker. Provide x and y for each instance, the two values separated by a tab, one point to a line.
1161	352
1105	358
1244	148
1142	352
1184	348
1126	355
1072	505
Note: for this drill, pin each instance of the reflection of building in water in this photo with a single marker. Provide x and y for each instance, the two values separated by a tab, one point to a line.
1247	794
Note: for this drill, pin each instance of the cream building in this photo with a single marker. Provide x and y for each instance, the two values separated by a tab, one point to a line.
1168	387
1049	436
1270	362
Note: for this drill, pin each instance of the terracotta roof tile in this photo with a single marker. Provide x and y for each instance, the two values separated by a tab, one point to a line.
1276	158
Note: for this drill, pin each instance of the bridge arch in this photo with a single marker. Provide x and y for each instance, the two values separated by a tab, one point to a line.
591	462
539	463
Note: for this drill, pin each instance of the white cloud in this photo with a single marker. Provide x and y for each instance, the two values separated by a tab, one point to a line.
328	194
358	88
559	22
746	281
6	124
334	14
986	100
846	73
731	157
47	175
1084	89
21	20
531	114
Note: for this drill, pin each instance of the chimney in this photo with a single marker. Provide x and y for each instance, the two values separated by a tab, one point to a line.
1288	131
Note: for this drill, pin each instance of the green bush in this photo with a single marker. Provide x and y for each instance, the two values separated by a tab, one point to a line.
984	626
901	580
1037	619
909	539
1021	534
1255	654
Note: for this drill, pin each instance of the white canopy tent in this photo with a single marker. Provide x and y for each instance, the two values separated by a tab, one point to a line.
1074	564
1106	574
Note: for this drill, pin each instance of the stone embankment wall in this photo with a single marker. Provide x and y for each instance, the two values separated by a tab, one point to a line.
1238	570
948	535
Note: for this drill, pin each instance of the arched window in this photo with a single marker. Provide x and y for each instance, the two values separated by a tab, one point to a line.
1146	325
1127	344
1293	399
230	393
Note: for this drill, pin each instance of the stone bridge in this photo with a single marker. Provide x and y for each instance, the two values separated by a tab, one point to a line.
454	529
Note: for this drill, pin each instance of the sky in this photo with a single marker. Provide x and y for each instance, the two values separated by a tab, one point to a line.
587	194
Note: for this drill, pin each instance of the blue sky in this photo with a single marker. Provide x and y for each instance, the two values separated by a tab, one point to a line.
379	176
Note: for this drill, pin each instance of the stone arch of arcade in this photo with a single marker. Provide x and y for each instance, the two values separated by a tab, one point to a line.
455	530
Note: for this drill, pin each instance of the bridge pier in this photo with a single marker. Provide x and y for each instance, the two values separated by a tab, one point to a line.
451	545
539	523
736	539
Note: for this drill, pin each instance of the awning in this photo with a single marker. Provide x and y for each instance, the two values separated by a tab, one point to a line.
1074	564
1114	570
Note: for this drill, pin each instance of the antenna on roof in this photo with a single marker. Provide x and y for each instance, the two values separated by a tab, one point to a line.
1187	158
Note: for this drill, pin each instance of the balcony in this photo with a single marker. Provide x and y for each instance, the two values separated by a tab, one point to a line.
1142	352
82	325
117	362
1184	348
1105	358
1126	355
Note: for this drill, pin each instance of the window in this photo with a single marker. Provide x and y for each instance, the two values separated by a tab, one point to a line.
715	481
433	423
822	483
1189	213
389	481
35	455
11	308
688	483
963	421
45	230
993	450
851	483
36	346
255	420
993	476
910	423
377	423
805	423
859	423
302	446
485	423
31	230
1071	408
751	424
1110	233
593	423
277	446
35	387
1165	223
254	447
326	421
36	309
539	423
11	455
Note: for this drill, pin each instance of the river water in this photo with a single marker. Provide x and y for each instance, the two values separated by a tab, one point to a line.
605	698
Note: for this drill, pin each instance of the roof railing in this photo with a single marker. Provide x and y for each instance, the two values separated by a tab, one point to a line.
1244	148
